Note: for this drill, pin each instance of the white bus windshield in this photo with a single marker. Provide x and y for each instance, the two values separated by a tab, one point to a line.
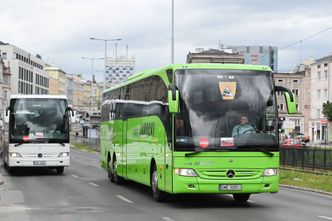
39	120
226	109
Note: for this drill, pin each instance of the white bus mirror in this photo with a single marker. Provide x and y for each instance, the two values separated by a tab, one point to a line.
6	116
72	116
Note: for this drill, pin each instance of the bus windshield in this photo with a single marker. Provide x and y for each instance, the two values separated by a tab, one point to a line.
39	120
231	110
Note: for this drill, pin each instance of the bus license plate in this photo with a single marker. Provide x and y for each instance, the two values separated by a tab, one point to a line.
230	187
39	163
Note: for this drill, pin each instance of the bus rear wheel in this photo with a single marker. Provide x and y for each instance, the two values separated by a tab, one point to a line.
157	194
110	172
117	179
241	197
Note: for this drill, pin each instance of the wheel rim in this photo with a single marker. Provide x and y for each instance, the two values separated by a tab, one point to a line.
155	181
109	169
115	167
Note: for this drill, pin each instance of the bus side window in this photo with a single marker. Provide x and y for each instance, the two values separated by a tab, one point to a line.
154	88
161	91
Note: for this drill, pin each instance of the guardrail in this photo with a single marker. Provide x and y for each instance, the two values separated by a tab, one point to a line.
307	157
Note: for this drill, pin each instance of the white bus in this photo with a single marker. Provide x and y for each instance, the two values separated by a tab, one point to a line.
37	132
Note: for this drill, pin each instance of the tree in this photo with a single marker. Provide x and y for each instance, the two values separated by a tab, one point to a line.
327	110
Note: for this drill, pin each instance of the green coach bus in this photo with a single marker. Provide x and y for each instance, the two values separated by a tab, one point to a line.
173	129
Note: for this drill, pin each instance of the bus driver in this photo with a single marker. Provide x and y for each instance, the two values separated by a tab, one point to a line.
243	127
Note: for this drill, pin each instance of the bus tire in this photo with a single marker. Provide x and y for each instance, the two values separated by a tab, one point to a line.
11	170
157	194
117	179
110	170
241	197
59	170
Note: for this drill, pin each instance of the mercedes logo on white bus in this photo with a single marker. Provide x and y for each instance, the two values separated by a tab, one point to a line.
230	173
40	155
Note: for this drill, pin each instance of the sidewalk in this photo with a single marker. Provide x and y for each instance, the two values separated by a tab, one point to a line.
1	179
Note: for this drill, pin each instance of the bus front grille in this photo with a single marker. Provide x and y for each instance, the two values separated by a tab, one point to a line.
222	174
35	155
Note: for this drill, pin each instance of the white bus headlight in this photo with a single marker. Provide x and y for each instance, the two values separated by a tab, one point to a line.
185	172
64	154
271	172
14	154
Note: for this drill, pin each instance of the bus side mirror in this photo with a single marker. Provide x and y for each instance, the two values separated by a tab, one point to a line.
289	97
6	115
71	114
111	115
173	99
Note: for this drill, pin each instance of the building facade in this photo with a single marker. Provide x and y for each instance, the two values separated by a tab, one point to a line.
295	123
57	80
27	71
321	91
214	56
78	89
69	89
262	55
119	69
4	86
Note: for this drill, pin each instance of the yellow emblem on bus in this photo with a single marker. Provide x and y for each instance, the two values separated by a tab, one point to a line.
227	90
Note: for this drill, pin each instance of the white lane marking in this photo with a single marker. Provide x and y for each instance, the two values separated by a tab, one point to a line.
124	199
167	218
250	201
75	176
325	217
93	184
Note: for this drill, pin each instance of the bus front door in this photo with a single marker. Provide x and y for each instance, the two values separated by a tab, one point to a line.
124	149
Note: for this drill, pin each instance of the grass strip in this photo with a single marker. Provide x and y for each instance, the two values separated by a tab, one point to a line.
83	147
304	179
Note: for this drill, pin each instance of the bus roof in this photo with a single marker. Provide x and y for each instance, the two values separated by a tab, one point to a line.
150	72
29	96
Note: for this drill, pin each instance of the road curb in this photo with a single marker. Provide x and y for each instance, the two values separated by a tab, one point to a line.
306	189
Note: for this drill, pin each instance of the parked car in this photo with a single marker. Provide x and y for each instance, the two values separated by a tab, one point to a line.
304	139
292	143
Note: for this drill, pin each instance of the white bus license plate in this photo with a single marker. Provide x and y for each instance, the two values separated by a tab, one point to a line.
230	187
39	163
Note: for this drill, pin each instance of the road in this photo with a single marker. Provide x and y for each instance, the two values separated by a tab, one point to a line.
83	192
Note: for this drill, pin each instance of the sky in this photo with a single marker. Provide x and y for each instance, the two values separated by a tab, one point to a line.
60	30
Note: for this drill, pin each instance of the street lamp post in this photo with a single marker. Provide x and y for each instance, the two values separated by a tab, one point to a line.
90	100
105	55
172	37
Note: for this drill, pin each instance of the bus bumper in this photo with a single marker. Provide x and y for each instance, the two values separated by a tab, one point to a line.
198	185
21	162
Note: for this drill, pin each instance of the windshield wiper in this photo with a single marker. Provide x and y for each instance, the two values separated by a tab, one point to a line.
263	150
62	144
200	151
194	153
18	144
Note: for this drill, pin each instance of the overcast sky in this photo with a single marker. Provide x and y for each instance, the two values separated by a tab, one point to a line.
59	30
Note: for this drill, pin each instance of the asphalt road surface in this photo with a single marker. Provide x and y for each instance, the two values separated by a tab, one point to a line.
83	192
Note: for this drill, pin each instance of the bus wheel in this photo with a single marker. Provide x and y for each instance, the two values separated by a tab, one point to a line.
110	173
241	197
59	170
11	170
157	194
118	180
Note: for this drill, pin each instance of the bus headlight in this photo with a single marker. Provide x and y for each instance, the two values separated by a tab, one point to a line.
14	154
271	172
185	172
64	154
